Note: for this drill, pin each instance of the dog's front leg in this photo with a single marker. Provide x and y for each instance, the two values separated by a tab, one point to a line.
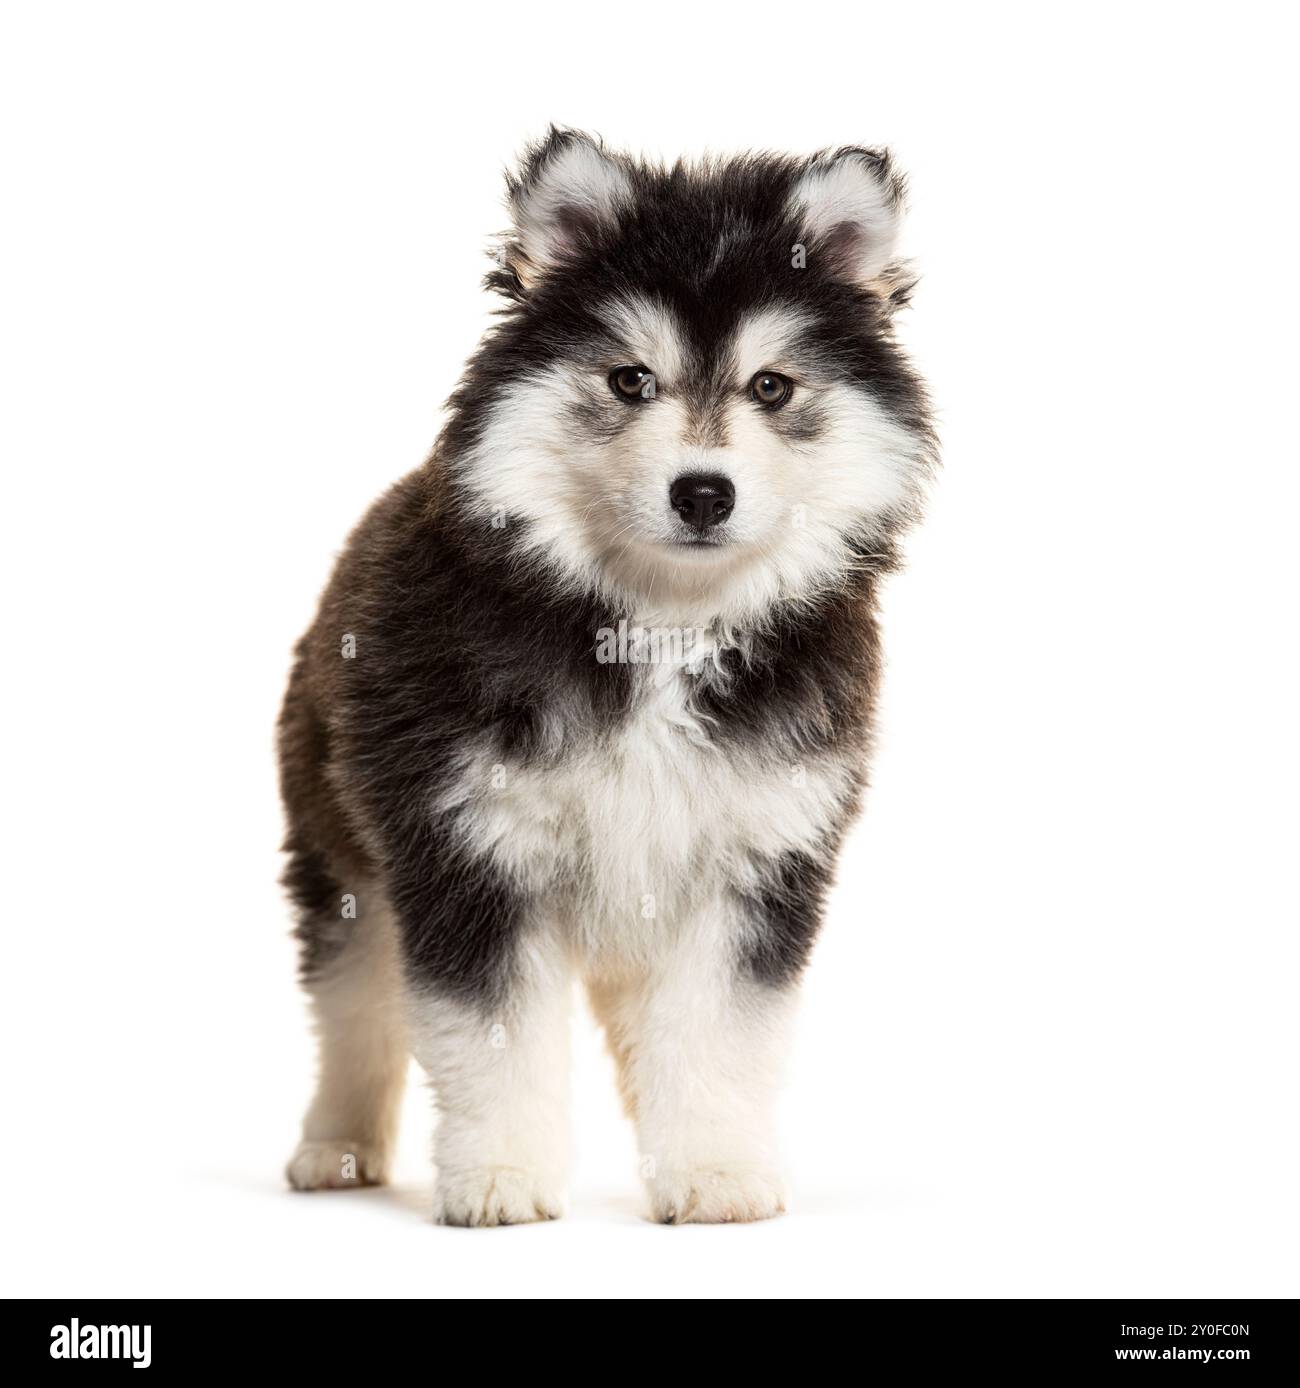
700	1046
498	1067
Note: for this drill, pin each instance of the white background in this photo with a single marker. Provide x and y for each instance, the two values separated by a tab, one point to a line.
1050	1039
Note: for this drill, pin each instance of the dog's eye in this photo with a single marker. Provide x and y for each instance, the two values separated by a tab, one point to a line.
633	382
770	389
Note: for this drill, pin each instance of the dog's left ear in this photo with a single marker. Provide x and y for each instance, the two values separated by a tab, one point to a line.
565	198
848	206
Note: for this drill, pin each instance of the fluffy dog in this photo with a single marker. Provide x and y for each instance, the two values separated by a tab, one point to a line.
589	693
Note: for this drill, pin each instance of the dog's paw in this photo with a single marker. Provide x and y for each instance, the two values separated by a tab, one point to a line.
484	1196
716	1195
336	1164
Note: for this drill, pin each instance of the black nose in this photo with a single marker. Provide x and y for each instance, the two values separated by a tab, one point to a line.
702	501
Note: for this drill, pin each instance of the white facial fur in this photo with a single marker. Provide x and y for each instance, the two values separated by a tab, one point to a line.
598	506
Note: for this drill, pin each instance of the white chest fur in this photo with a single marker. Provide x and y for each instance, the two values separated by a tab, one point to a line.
631	831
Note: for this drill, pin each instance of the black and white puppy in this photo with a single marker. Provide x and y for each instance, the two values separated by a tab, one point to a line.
589	694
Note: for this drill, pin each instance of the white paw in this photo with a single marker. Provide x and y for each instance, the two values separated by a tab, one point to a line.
716	1195
336	1164
483	1196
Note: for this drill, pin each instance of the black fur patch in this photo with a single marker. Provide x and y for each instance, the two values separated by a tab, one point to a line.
784	918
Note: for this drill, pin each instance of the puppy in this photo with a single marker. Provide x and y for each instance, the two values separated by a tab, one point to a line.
589	693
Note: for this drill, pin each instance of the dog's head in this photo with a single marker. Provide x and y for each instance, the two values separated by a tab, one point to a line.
694	399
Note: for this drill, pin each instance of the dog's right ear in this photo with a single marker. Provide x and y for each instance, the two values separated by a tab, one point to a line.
566	196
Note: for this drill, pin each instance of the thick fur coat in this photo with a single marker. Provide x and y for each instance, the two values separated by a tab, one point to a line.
589	694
